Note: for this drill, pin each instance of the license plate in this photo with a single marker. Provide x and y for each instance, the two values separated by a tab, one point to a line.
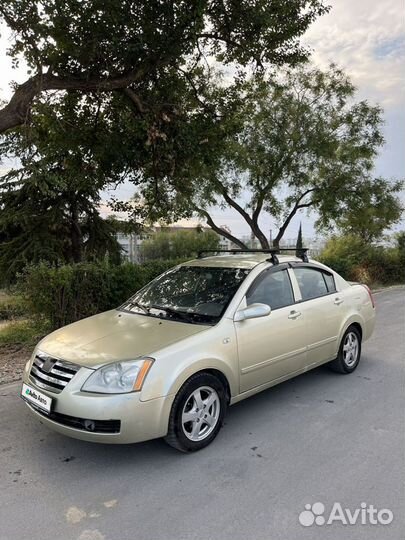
38	399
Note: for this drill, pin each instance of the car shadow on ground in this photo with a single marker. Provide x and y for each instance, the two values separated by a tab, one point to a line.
257	413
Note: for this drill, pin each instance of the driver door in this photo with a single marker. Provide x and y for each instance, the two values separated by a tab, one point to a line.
274	346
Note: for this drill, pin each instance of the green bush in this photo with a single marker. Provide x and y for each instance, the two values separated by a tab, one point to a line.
11	307
24	332
67	293
357	261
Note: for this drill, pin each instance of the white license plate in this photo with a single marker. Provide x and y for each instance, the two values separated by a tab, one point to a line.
38	399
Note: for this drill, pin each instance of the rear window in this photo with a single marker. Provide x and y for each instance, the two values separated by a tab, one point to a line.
330	282
313	283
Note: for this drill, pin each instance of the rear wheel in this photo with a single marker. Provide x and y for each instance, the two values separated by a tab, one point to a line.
197	413
349	352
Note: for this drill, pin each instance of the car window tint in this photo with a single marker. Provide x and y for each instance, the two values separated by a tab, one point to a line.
274	290
311	282
330	282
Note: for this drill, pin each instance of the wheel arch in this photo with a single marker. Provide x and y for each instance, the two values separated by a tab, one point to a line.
216	368
358	327
352	321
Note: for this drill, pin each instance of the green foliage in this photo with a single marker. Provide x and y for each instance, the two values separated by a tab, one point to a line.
357	260
94	46
49	203
287	144
67	293
23	332
371	209
178	245
11	307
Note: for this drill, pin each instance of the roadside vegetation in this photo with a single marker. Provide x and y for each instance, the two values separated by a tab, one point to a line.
373	264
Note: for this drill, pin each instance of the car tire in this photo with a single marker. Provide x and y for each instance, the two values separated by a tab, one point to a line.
349	352
197	413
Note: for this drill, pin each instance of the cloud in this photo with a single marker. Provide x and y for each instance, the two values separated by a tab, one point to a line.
366	38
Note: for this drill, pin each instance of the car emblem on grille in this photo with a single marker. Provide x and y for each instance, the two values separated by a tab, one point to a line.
48	364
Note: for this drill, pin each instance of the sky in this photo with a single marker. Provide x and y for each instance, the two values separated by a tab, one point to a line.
364	37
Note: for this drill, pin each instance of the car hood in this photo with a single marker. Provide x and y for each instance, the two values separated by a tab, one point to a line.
113	336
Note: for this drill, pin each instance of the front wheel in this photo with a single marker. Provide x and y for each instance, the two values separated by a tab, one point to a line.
349	352
197	413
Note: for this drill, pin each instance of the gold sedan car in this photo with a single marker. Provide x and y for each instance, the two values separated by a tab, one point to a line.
200	337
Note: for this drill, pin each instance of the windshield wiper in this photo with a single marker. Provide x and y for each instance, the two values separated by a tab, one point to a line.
138	305
170	311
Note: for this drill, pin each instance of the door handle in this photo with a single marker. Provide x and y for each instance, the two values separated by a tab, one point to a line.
338	301
294	314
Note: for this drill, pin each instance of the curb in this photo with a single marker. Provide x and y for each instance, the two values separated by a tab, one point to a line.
389	288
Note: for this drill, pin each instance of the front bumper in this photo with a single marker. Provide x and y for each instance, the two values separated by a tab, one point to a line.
134	420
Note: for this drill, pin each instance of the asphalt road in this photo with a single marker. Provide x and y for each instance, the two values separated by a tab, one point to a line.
322	437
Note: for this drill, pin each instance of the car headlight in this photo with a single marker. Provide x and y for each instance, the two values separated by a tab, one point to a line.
119	378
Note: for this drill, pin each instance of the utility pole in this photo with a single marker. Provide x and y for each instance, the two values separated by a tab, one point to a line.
271	237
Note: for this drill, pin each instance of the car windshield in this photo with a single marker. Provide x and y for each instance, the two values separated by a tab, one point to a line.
193	294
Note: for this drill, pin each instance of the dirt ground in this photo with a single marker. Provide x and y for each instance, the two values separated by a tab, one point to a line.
12	361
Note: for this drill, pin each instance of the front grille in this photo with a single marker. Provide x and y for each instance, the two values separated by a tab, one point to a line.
84	424
52	374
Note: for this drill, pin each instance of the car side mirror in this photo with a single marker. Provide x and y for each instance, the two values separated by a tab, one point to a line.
253	311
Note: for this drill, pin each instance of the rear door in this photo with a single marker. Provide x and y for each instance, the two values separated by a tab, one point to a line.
273	346
323	309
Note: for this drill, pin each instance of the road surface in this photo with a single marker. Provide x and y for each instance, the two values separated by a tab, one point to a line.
321	437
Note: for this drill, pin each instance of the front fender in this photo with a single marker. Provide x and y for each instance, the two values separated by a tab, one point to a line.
215	350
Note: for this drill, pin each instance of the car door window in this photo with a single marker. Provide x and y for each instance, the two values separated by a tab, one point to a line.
273	289
311	282
330	282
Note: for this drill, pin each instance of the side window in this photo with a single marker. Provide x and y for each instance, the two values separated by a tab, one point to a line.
311	281
274	289
330	282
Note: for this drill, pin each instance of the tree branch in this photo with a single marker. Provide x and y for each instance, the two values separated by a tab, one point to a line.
135	100
294	210
218	230
254	226
17	110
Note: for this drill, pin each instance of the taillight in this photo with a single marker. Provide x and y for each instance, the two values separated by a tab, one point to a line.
370	295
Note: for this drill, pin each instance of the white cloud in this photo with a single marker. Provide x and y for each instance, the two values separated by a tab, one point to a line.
367	39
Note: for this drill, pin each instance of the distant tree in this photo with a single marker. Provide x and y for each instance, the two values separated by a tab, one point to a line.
370	210
297	142
178	245
299	245
400	240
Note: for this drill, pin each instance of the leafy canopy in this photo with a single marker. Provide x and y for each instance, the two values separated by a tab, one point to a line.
295	142
130	47
49	203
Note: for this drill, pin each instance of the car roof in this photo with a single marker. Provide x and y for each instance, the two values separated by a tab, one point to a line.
243	260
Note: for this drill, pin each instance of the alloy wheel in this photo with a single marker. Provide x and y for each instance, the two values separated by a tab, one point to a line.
200	413
350	349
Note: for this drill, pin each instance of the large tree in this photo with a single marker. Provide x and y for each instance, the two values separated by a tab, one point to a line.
49	201
130	47
296	142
